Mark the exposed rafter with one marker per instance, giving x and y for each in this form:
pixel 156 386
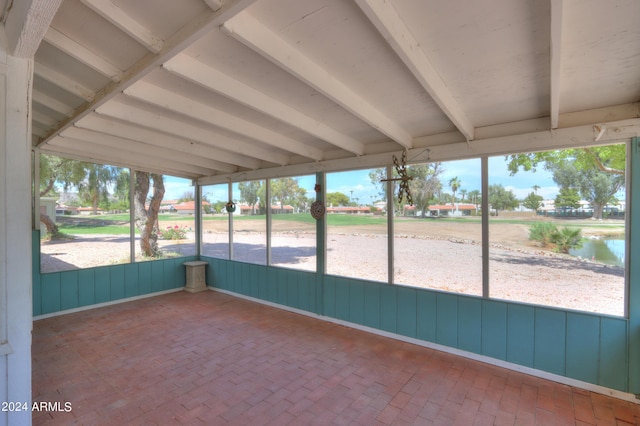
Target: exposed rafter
pixel 82 54
pixel 224 160
pixel 64 82
pixel 177 127
pixel 172 46
pixel 557 7
pixel 182 105
pixel 114 14
pixel 52 103
pixel 139 148
pixel 26 24
pixel 389 23
pixel 263 40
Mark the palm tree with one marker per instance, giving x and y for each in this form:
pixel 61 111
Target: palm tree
pixel 535 189
pixel 463 194
pixel 454 184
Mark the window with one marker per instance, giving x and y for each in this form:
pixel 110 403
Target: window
pixel 215 221
pixel 293 229
pixel 249 222
pixel 557 228
pixel 84 214
pixel 438 239
pixel 357 244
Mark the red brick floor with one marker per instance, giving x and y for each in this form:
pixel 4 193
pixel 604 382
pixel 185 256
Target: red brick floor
pixel 210 358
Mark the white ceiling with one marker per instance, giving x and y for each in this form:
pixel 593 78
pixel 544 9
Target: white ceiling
pixel 219 89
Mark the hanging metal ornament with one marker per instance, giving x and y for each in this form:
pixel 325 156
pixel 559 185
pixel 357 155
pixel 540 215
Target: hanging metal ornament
pixel 403 178
pixel 230 206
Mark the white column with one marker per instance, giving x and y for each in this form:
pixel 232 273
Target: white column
pixel 15 235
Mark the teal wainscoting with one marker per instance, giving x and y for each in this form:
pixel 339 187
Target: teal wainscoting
pixel 61 291
pixel 587 347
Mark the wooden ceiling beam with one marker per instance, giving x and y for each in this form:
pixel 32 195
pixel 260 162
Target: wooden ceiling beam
pixel 557 7
pixel 254 34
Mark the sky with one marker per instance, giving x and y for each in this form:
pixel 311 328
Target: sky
pixel 357 184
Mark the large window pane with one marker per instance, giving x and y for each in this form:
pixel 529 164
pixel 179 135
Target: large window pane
pixel 293 229
pixel 438 239
pixel 84 214
pixel 249 222
pixel 356 226
pixel 215 221
pixel 557 228
pixel 175 224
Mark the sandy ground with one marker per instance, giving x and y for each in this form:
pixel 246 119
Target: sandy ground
pixel 438 254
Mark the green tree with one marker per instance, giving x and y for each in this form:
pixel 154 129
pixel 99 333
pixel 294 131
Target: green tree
pixel 337 199
pixel 425 184
pixel 475 196
pixel 501 199
pixel 532 201
pixel 249 193
pixel 287 191
pixel 187 196
pixel 94 188
pixel 567 198
pixel 454 184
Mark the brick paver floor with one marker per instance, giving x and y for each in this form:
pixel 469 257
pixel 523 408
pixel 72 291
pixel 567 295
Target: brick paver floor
pixel 210 358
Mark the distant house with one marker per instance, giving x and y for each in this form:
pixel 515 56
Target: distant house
pixel 349 209
pixel 458 209
pixel 187 207
pixel 86 211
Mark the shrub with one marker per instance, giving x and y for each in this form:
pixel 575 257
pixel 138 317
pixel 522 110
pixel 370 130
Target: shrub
pixel 174 233
pixel 566 239
pixel 542 232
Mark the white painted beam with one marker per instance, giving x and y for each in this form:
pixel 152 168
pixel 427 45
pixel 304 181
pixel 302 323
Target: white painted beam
pixel 118 17
pixel 105 155
pixel 138 148
pixel 179 104
pixel 210 78
pixel 65 83
pixel 52 103
pixel 179 128
pixel 389 23
pixel 183 38
pixel 263 40
pixel 226 161
pixel 26 24
pixel 557 7
pixel 82 54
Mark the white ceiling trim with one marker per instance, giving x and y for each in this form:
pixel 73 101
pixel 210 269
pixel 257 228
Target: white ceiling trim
pixel 264 41
pixel 557 7
pixel 97 123
pixel 64 82
pixel 112 13
pixel 391 26
pixel 179 128
pixel 179 104
pixel 52 103
pixel 210 78
pixel 82 54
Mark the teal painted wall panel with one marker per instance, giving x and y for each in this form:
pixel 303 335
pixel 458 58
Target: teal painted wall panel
pixel 407 312
pixel 329 299
pixel 144 277
pixel 36 282
pixel 613 354
pixel 389 308
pixel 263 285
pixel 583 347
pixel 293 281
pixel 356 302
pixel 117 282
pixel 470 324
pixel 550 340
pixel 157 276
pixel 50 293
pixel 426 316
pixel 494 329
pixel 86 287
pixel 247 277
pixel 305 291
pixel 102 285
pixel 447 319
pixel 272 285
pixel 372 305
pixel 342 298
pixel 69 290
pixel 520 334
pixel 171 278
pixel 256 281
pixel 282 286
pixel 36 294
pixel 131 280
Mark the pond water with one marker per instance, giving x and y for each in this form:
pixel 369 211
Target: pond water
pixel 606 250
